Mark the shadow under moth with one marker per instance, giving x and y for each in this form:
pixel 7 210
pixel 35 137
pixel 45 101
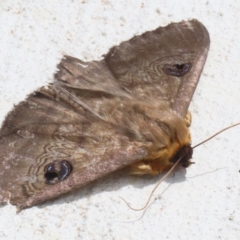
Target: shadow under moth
pixel 128 109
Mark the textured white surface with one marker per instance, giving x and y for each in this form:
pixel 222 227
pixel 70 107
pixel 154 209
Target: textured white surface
pixel 200 203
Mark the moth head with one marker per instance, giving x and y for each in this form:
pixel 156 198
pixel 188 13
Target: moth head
pixel 184 155
pixel 57 171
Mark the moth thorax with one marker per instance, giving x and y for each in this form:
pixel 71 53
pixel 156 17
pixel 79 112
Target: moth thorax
pixel 185 154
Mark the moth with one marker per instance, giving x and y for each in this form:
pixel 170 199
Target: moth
pixel 128 109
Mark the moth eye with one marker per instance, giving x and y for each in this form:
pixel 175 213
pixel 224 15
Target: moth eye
pixel 177 70
pixel 57 171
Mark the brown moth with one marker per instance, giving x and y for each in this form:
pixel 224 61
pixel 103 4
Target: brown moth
pixel 127 109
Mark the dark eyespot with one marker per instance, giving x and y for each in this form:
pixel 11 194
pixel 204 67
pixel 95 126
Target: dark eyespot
pixel 57 171
pixel 177 70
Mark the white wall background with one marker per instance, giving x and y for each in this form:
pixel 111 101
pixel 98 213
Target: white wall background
pixel 201 203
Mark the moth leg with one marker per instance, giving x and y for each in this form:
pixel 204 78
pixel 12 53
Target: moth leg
pixel 149 167
pixel 140 168
pixel 188 119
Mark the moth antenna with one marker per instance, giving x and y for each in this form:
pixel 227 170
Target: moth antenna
pixel 214 135
pixel 154 189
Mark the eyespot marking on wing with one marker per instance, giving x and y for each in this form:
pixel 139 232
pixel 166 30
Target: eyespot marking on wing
pixel 177 70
